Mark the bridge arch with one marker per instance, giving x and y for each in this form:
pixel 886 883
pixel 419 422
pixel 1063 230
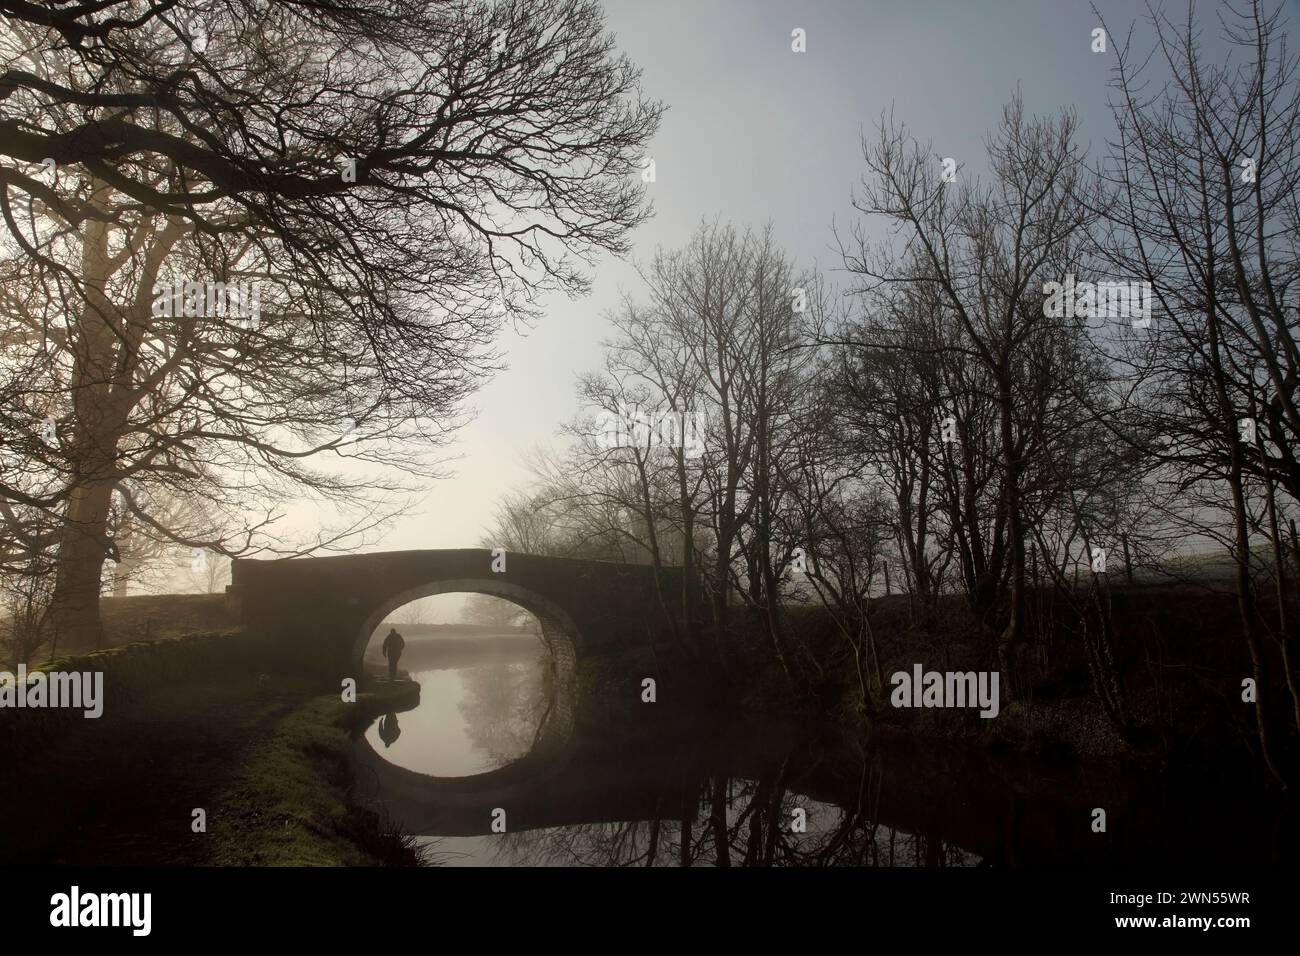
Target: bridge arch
pixel 559 631
pixel 425 795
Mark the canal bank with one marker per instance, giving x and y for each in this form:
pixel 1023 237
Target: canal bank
pixel 1176 666
pixel 198 759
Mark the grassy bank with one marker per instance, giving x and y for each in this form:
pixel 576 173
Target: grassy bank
pixel 286 801
pixel 187 725
pixel 1178 651
pixel 145 617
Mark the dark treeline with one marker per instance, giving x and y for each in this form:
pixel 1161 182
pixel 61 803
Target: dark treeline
pixel 1065 369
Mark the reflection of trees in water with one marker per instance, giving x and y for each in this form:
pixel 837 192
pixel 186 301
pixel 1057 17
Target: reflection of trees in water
pixel 504 704
pixel 741 822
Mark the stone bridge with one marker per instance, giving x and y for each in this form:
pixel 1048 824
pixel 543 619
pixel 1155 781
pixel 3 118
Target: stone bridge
pixel 320 612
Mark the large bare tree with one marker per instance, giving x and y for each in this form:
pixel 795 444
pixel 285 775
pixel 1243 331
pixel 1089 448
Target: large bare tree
pixel 385 182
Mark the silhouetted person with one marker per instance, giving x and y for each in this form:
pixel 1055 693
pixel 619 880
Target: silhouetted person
pixel 388 729
pixel 393 647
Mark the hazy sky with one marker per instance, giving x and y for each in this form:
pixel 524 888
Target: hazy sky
pixel 755 132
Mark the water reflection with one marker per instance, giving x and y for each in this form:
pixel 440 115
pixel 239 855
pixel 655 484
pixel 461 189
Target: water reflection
pixel 659 787
pixel 736 822
pixel 388 729
pixel 471 718
pixel 654 794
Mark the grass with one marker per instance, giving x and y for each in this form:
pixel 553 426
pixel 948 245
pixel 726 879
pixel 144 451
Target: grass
pixel 151 616
pixel 285 801
pixel 266 760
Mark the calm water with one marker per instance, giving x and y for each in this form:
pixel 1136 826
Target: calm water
pixel 654 787
pixel 470 719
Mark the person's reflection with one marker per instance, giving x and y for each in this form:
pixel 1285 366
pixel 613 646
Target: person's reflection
pixel 388 729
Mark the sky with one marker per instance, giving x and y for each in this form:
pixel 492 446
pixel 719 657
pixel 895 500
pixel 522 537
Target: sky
pixel 756 132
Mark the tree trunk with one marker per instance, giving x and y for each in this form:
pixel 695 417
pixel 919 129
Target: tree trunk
pixel 1013 634
pixel 1242 577
pixel 1219 379
pixel 721 585
pixel 75 602
pixel 126 569
pixel 1285 634
pixel 83 543
pixel 718 822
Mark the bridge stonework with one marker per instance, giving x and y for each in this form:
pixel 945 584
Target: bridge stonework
pixel 319 612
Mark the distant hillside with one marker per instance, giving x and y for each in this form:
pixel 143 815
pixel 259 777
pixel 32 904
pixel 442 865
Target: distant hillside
pixel 1211 565
pixel 445 631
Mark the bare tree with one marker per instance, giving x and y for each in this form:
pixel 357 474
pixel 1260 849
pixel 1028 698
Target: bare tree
pixel 1203 207
pixel 987 252
pixel 392 179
